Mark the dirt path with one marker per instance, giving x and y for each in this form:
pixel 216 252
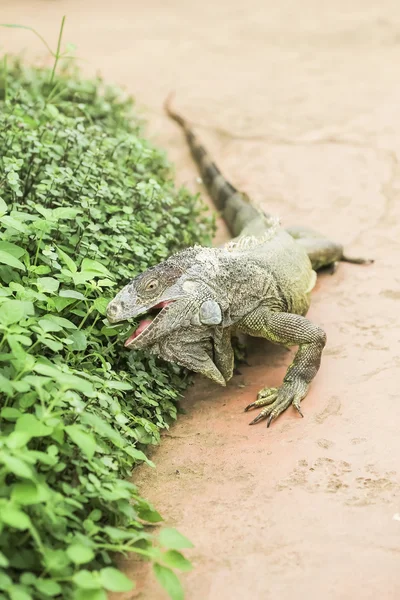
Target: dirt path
pixel 308 95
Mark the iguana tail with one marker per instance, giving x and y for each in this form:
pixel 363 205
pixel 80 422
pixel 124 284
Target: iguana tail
pixel 236 208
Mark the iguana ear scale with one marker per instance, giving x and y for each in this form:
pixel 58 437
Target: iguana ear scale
pixel 210 313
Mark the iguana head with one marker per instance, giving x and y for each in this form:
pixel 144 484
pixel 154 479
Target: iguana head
pixel 147 292
pixel 164 296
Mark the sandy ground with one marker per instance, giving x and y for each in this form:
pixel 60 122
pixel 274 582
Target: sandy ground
pixel 299 103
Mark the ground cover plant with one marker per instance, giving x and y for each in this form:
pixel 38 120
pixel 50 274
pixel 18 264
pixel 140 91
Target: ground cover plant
pixel 85 203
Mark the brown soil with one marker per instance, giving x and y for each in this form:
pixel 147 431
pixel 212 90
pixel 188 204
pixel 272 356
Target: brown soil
pixel 299 103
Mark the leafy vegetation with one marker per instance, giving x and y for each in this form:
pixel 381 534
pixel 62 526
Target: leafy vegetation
pixel 85 203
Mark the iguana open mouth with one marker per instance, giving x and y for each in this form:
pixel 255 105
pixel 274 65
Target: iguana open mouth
pixel 145 323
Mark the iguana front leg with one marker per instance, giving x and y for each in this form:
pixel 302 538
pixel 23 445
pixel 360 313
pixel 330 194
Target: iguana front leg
pixel 191 349
pixel 289 330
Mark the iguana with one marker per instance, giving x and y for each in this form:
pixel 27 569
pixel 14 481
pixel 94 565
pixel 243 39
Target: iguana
pixel 257 284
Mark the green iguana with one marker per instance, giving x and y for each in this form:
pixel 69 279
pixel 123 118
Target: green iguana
pixel 258 284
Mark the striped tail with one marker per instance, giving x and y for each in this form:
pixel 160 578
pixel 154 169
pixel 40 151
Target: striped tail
pixel 235 206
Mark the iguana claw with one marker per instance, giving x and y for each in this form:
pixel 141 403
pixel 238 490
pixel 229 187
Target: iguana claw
pixel 296 405
pixel 258 418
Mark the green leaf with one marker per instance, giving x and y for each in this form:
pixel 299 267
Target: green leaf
pixel 23 339
pixel 19 592
pixel 149 514
pixel 86 580
pixel 72 294
pixel 67 261
pixel 119 385
pixel 36 381
pixel 40 270
pixel 103 428
pixel 109 331
pixel 95 515
pixel 19 354
pixel 138 455
pixel 3 207
pixel 169 581
pixel 175 560
pixel 28 492
pixel 49 326
pixel 48 587
pixel 171 538
pixel 3 560
pixel 61 321
pixel 47 284
pixel 66 212
pixel 14 311
pixel 52 111
pixel 105 283
pixel 43 457
pixel 23 386
pixel 28 423
pixel 5 386
pixel 15 518
pixel 12 249
pixel 66 380
pixel 52 344
pixel 11 261
pixel 16 465
pixel 118 535
pixel 60 303
pixel 115 581
pixel 10 414
pixel 27 578
pixel 84 277
pixel 55 560
pixel 27 400
pixel 79 340
pixel 14 224
pixel 80 554
pixel 18 439
pixel 5 581
pixel 85 441
pixel 100 304
pixel 95 266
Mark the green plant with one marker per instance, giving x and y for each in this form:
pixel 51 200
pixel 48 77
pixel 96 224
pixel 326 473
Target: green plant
pixel 85 203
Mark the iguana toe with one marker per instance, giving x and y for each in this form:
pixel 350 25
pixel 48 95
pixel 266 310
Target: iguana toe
pixel 265 397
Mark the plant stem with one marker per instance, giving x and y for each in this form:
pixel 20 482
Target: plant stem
pixel 57 54
pixel 85 317
pixel 5 79
pixel 38 249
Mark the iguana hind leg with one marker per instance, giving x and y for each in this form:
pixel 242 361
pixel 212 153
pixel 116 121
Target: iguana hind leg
pixel 321 251
pixel 290 330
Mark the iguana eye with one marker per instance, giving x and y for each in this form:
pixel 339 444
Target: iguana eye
pixel 151 285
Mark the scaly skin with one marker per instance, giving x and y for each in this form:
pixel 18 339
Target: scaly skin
pixel 258 284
